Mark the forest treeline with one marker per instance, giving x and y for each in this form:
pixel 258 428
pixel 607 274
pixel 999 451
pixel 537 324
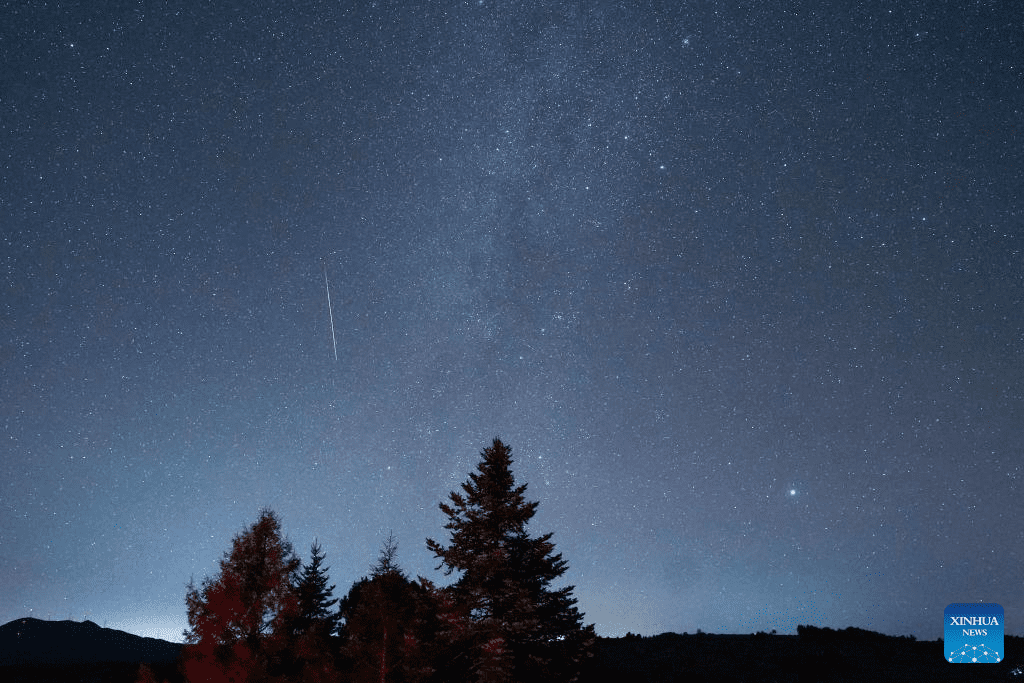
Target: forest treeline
pixel 268 617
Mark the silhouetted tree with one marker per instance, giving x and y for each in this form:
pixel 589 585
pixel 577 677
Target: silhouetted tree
pixel 449 636
pixel 387 625
pixel 312 651
pixel 315 596
pixel 386 562
pixel 516 627
pixel 241 621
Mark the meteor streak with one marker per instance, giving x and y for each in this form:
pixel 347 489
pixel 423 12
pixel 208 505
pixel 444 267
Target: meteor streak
pixel 334 340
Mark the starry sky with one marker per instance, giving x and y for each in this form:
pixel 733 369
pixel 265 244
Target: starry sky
pixel 740 283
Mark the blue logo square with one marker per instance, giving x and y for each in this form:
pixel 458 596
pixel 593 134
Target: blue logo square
pixel 973 632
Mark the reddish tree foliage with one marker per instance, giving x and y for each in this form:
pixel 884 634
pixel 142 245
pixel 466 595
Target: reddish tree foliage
pixel 240 621
pixel 388 625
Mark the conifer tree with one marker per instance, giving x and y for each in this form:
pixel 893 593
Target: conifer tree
pixel 315 596
pixel 518 628
pixel 312 654
pixel 240 620
pixel 387 625
pixel 386 562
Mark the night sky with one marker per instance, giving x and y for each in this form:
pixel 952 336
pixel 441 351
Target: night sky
pixel 740 283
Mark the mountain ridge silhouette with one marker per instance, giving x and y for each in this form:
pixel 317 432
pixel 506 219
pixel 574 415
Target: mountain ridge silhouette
pixel 30 641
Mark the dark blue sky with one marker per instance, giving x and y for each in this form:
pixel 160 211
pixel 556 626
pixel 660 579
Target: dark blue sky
pixel 740 283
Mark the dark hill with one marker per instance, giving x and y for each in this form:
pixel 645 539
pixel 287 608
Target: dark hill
pixel 28 641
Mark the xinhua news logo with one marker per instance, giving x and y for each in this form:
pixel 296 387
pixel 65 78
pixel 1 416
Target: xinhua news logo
pixel 973 633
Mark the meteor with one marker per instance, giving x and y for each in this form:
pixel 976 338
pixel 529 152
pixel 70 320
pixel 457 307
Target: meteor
pixel 327 286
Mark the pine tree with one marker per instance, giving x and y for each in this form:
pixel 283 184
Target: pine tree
pixel 240 621
pixel 519 628
pixel 312 653
pixel 315 596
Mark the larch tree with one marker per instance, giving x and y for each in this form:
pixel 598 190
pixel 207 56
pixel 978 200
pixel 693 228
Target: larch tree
pixel 518 627
pixel 241 620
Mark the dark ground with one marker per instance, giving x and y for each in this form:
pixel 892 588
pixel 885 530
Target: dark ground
pixel 817 655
